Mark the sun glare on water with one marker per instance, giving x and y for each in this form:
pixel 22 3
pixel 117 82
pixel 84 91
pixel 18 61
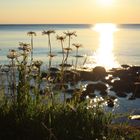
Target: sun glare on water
pixel 104 54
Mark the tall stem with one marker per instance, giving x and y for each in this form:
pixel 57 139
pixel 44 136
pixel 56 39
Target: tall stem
pixel 62 52
pixel 50 62
pixel 13 79
pixel 76 59
pixel 49 41
pixel 31 48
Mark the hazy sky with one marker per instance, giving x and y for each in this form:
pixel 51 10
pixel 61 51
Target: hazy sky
pixel 69 11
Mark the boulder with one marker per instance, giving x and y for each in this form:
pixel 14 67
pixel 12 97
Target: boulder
pixel 99 72
pixel 100 86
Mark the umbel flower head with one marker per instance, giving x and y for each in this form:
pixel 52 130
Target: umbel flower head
pixel 13 54
pixel 68 49
pixel 37 63
pixel 70 34
pixel 24 46
pixel 52 55
pixel 61 38
pixel 77 45
pixel 31 33
pixel 48 32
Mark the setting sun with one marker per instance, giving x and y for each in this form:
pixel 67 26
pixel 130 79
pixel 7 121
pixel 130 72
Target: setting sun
pixel 105 2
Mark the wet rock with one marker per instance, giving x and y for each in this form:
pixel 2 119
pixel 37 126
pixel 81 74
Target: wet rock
pixel 125 66
pixel 103 93
pixel 100 86
pixel 90 88
pixel 132 97
pixel 134 69
pixel 71 76
pixel 137 95
pixel 91 95
pixel 122 86
pixel 87 76
pixel 136 92
pixel 125 75
pixel 99 72
pixel 121 94
pixel 54 69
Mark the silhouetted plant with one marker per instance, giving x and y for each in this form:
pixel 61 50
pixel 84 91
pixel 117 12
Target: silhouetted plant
pixel 61 38
pixel 50 60
pixel 32 34
pixel 69 35
pixel 77 56
pixel 6 70
pixel 48 33
pixel 12 55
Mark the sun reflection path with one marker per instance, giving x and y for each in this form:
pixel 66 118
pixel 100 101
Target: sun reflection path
pixel 104 54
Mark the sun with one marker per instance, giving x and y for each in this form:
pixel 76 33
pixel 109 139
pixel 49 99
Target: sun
pixel 105 2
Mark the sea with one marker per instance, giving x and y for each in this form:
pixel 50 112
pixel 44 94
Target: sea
pixel 105 44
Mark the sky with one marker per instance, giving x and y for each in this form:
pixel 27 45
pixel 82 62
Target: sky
pixel 69 11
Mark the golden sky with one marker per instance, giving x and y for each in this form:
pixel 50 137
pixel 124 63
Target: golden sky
pixel 69 11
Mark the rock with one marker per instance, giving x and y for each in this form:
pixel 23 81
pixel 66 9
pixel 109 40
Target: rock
pixel 137 95
pixel 121 94
pixel 100 86
pixel 134 69
pixel 71 76
pixel 122 86
pixel 54 69
pixel 90 88
pixel 91 95
pixel 87 76
pixel 103 93
pixel 99 72
pixel 125 66
pixel 136 92
pixel 132 97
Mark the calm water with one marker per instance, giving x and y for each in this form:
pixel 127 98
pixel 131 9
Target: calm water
pixel 103 44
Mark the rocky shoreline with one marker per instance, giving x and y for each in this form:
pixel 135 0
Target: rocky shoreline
pixel 122 81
